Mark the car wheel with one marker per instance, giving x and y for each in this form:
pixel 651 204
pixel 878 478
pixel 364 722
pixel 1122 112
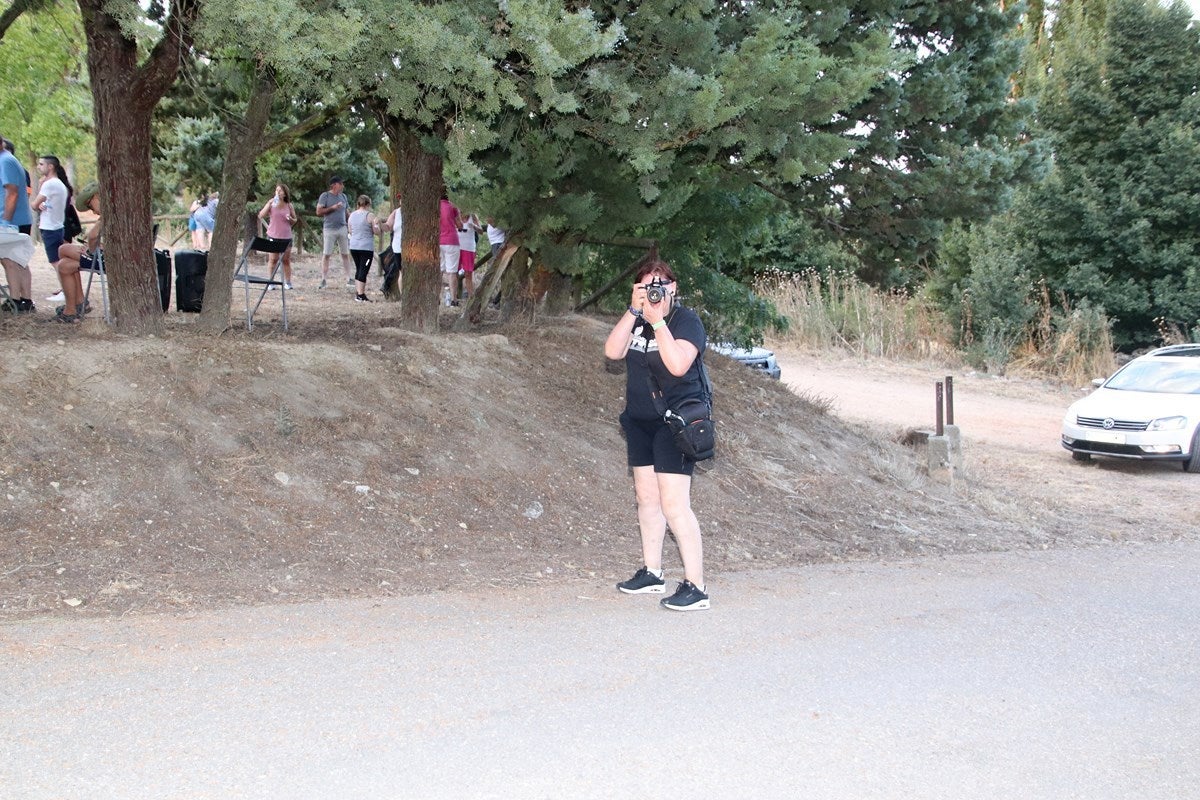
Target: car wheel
pixel 1081 456
pixel 1192 464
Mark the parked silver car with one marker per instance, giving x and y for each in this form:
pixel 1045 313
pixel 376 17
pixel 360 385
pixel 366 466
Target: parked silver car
pixel 755 357
pixel 1148 409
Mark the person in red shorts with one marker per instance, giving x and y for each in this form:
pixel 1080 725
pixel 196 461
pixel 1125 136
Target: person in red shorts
pixel 467 235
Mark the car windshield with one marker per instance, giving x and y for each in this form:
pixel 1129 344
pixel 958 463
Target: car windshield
pixel 1151 375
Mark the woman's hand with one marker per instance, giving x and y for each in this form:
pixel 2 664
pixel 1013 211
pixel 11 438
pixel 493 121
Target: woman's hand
pixel 654 312
pixel 638 298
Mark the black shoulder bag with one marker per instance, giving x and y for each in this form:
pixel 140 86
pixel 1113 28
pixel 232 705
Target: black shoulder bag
pixel 691 420
pixel 71 224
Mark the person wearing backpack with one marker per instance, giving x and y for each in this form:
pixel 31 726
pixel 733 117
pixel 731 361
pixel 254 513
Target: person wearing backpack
pixel 661 342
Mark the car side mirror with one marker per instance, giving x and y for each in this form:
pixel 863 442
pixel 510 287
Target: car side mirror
pixel 1097 383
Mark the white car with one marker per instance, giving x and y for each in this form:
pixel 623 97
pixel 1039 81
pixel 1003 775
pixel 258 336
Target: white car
pixel 755 357
pixel 1148 409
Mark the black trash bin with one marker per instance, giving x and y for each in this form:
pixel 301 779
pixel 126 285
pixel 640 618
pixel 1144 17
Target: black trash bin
pixel 190 268
pixel 162 259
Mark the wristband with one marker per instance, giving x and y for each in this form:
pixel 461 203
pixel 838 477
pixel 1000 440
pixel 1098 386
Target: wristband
pixel 634 311
pixel 658 324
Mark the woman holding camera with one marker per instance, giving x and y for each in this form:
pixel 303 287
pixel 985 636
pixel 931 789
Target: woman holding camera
pixel 660 342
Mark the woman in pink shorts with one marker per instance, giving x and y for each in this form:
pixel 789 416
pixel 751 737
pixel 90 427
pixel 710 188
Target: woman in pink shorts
pixel 466 252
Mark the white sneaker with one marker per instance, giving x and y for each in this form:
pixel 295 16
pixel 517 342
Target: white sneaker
pixel 57 297
pixel 287 286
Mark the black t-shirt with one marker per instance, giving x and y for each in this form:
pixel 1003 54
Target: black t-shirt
pixel 642 356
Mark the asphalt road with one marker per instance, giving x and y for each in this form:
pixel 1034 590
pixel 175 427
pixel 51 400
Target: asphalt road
pixel 1061 674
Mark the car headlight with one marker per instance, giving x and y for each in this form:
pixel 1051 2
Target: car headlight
pixel 1167 424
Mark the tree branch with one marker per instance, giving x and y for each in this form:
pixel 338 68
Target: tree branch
pixel 159 72
pixel 306 125
pixel 14 12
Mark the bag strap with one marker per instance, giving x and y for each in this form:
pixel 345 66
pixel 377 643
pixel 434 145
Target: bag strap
pixel 658 397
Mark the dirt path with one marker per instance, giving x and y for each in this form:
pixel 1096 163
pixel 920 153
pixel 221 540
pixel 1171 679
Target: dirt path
pixel 1010 429
pixel 1019 415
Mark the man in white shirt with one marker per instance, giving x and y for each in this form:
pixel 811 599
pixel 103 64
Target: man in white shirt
pixel 51 205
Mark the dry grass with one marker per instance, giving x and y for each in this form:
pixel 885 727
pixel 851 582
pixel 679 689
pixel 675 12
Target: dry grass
pixel 1072 345
pixel 835 310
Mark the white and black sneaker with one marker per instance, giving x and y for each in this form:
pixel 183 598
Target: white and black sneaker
pixel 686 598
pixel 643 582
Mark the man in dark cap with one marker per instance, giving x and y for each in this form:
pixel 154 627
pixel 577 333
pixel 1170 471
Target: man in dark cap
pixel 331 208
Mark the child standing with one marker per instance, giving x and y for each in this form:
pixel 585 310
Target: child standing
pixel 466 252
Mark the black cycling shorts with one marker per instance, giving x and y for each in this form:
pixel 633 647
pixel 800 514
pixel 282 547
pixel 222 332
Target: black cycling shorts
pixel 650 442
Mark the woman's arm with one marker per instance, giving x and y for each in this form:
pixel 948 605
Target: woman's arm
pixel 677 354
pixel 622 333
pixel 620 336
pixel 265 210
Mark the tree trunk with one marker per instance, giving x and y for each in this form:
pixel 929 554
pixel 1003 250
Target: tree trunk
pixel 245 138
pixel 560 295
pixel 124 96
pixel 422 193
pixel 392 155
pixel 517 300
pixel 473 313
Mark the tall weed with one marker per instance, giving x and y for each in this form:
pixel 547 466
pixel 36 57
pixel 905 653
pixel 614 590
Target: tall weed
pixel 835 309
pixel 1070 344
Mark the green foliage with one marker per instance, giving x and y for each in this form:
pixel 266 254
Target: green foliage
pixel 45 107
pixel 938 137
pixel 190 141
pixel 986 288
pixel 1114 224
pixel 766 135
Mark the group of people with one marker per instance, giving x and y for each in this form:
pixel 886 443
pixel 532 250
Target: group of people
pixel 53 206
pixel 457 241
pixel 352 234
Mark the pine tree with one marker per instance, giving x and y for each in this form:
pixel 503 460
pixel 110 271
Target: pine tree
pixel 1114 223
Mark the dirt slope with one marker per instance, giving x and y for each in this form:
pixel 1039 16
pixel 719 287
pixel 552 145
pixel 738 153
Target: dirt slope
pixel 348 457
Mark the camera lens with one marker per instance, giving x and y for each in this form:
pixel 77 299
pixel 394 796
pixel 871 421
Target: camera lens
pixel 654 294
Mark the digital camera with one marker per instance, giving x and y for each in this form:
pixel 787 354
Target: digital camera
pixel 655 291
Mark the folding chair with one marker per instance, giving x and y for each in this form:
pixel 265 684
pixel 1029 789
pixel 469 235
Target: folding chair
pixel 94 267
pixel 261 244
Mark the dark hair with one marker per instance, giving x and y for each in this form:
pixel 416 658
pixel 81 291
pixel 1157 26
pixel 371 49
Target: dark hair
pixel 335 179
pixel 287 193
pixel 654 264
pixel 61 174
